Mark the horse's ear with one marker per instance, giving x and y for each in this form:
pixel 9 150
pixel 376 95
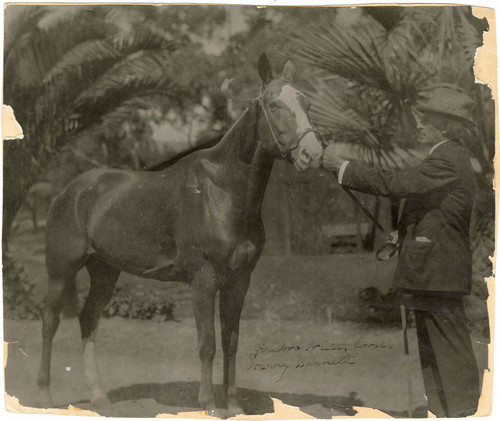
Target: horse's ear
pixel 264 69
pixel 288 72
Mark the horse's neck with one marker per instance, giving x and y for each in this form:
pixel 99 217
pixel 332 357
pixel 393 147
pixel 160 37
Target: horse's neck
pixel 237 147
pixel 258 178
pixel 244 166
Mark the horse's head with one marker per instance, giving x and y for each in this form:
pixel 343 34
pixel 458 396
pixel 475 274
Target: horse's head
pixel 284 122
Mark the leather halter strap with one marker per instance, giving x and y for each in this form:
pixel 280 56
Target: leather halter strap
pixel 285 150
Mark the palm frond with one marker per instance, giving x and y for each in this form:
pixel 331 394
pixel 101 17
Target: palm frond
pixel 401 58
pixel 141 70
pixel 38 53
pixel 331 115
pixel 144 36
pixel 428 45
pixel 87 61
pixel 82 56
pixel 470 33
pixel 26 22
pixel 21 68
pixel 77 29
pixel 353 53
pixel 419 23
pixel 459 35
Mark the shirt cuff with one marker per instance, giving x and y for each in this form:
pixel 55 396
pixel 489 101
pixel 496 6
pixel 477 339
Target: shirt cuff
pixel 342 170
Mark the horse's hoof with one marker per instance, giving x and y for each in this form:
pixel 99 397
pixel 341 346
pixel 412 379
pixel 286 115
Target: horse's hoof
pixel 214 412
pixel 233 408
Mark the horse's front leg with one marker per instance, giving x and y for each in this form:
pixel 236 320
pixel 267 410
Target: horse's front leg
pixel 203 292
pixel 232 297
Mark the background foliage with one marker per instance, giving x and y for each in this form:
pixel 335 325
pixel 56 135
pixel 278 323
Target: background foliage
pixel 128 87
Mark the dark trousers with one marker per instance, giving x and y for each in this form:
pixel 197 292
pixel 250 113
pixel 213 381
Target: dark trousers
pixel 449 367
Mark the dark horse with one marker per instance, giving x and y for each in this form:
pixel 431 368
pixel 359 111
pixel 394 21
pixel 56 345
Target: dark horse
pixel 198 221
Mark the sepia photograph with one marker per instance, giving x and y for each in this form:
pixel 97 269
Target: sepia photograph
pixel 227 211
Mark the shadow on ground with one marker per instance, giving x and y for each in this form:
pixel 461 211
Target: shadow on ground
pixel 253 402
pixel 180 395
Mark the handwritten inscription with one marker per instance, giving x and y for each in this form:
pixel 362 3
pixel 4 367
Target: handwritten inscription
pixel 284 357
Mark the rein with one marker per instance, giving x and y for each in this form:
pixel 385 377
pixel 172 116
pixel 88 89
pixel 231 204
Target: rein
pixel 389 248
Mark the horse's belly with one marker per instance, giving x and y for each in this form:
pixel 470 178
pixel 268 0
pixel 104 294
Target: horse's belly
pixel 142 246
pixel 168 271
pixel 154 265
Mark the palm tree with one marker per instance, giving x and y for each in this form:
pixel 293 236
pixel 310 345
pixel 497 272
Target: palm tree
pixel 385 63
pixel 81 74
pixel 387 58
pixel 368 76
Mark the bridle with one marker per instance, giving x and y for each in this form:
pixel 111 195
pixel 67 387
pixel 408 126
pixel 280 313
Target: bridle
pixel 285 150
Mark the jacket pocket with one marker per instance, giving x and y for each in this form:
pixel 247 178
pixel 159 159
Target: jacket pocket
pixel 415 256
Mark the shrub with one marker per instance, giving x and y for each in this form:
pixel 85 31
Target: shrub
pixel 19 300
pixel 138 302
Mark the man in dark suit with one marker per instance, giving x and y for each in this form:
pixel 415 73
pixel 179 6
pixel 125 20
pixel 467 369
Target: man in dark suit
pixel 434 265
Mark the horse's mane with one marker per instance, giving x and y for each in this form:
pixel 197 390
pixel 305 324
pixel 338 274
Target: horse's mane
pixel 171 161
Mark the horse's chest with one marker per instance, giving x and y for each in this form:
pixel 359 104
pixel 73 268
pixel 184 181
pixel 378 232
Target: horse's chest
pixel 217 211
pixel 214 220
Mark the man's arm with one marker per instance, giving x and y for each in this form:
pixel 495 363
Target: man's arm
pixel 432 173
pixel 333 163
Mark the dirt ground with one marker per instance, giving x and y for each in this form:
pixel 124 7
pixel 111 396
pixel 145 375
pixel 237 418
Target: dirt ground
pixel 149 368
pixel 295 345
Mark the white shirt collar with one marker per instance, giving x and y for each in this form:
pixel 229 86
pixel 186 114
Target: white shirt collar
pixel 437 145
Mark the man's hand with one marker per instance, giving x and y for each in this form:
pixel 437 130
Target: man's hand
pixel 331 160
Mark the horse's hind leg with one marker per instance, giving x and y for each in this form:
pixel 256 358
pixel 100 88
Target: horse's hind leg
pixel 232 297
pixel 58 284
pixel 103 279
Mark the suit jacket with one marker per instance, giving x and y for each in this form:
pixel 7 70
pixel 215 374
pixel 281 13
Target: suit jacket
pixel 434 248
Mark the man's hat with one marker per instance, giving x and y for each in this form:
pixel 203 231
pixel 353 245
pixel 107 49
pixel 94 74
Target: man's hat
pixel 449 101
